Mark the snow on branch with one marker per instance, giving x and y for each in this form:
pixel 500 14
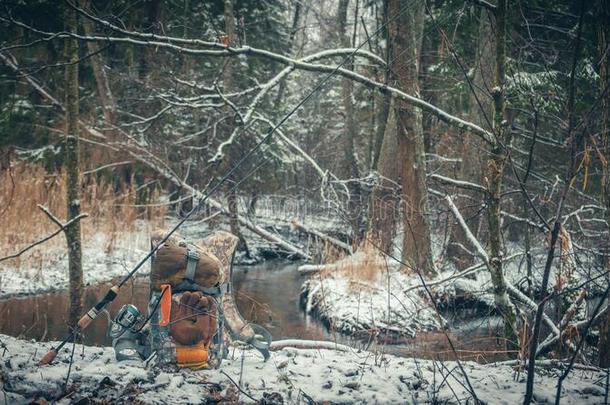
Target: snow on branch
pixel 458 183
pixel 512 290
pixel 220 50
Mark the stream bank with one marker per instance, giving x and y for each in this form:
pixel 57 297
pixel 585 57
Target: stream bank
pixel 269 294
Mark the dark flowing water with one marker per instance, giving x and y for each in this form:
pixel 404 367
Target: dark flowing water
pixel 267 294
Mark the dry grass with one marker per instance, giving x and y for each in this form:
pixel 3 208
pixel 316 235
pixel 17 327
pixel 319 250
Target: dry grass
pixel 362 269
pixel 112 213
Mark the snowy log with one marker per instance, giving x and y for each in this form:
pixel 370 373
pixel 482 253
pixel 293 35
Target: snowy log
pixel 309 344
pixel 312 268
pixel 458 183
pixel 323 236
pixel 244 221
pixel 472 269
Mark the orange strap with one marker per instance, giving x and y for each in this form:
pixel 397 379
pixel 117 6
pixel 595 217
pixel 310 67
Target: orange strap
pixel 166 304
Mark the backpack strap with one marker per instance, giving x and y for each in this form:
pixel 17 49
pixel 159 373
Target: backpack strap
pixel 192 258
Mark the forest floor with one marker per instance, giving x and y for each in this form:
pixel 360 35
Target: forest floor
pixel 297 375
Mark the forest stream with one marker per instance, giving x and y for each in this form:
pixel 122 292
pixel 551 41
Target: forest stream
pixel 266 293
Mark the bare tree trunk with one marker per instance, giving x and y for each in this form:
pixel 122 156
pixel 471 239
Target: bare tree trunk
pixel 99 73
pixel 604 74
pixel 73 233
pixel 472 166
pixel 291 38
pixel 495 175
pixel 383 205
pixel 349 132
pixel 154 10
pixel 405 34
pixel 227 79
pixel 381 101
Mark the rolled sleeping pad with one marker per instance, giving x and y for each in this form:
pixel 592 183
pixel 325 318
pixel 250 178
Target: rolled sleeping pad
pixel 222 245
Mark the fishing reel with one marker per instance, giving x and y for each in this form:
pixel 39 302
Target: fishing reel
pixel 125 333
pixel 127 319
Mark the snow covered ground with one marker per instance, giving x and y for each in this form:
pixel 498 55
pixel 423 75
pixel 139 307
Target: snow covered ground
pixel 351 302
pixel 49 271
pixel 45 268
pixel 297 375
pixel 368 292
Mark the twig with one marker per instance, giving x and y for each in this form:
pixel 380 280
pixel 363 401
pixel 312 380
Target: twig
pixel 107 167
pixel 62 227
pixel 238 387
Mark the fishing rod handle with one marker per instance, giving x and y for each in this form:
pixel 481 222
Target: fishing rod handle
pixel 49 357
pixel 86 319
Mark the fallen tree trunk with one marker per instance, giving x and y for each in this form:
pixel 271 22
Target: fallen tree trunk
pixel 333 241
pixel 309 344
pixel 258 230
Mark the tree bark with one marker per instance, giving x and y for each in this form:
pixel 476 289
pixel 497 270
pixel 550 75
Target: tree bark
pixel 73 233
pixel 405 34
pixel 495 173
pixel 604 74
pixel 381 101
pixel 349 131
pixel 470 146
pixel 383 205
pixel 227 79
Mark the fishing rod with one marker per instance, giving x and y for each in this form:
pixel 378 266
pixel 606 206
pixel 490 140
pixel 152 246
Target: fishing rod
pixel 113 291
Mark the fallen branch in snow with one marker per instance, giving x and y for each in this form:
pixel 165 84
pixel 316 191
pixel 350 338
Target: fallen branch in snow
pixel 324 237
pixel 244 221
pixel 62 227
pixel 511 289
pixel 472 269
pixel 579 326
pixel 309 344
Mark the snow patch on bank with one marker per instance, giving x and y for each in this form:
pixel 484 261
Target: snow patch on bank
pixel 298 375
pixel 353 303
pixel 49 270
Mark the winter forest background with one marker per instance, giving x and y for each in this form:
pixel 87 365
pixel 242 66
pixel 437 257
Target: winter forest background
pixel 417 165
